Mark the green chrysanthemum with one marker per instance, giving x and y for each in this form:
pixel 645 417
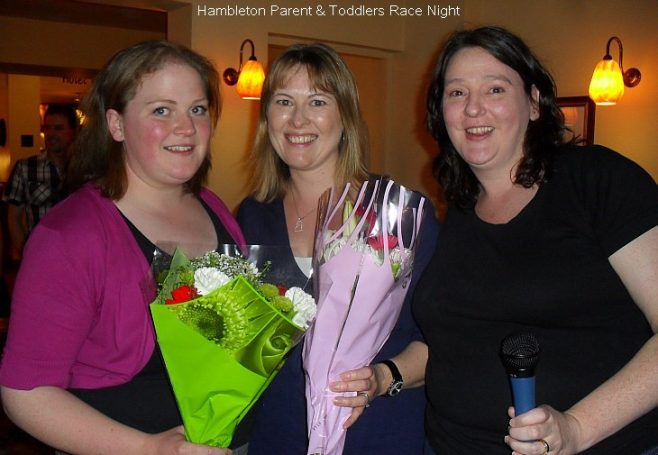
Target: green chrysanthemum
pixel 269 291
pixel 187 277
pixel 236 323
pixel 206 321
pixel 282 303
pixel 219 316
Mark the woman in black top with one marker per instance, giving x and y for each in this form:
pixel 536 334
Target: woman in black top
pixel 540 236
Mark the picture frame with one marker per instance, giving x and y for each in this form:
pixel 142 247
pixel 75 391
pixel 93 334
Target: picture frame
pixel 579 116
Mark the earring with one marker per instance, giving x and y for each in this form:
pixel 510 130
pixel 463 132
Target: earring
pixel 534 114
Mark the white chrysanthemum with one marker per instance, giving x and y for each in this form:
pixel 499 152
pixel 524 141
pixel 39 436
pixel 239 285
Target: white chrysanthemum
pixel 400 256
pixel 207 279
pixel 360 246
pixel 303 305
pixel 332 248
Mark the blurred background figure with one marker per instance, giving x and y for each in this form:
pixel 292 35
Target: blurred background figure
pixel 36 182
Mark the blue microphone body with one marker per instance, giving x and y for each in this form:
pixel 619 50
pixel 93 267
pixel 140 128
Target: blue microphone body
pixel 523 391
pixel 520 354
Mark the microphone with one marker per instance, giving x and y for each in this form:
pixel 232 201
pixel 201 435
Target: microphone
pixel 520 354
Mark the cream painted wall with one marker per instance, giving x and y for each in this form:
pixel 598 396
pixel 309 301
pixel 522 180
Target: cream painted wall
pixel 46 43
pixel 569 36
pixel 36 42
pixel 412 148
pixel 4 81
pixel 5 155
pixel 23 115
pixel 220 37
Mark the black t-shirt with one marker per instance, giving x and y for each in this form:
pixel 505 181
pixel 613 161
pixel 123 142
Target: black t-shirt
pixel 146 402
pixel 546 271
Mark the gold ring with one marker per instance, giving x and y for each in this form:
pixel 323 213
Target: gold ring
pixel 547 448
pixel 365 394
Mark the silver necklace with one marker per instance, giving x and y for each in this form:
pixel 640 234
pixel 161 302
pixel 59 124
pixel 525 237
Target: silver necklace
pixel 299 224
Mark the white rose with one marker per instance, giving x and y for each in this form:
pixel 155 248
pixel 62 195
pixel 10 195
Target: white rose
pixel 207 279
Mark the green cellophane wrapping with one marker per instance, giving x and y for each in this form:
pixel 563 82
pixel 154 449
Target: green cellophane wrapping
pixel 216 382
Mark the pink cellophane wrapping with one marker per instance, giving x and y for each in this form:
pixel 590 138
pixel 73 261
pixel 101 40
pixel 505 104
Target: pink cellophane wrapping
pixel 359 299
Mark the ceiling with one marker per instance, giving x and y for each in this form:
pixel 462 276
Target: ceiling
pixel 135 15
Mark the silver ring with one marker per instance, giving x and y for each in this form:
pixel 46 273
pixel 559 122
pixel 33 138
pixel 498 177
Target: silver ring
pixel 365 394
pixel 547 448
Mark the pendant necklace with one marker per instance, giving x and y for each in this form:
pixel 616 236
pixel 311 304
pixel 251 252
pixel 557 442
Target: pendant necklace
pixel 299 224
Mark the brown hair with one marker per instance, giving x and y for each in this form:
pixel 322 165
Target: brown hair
pixel 329 73
pixel 96 157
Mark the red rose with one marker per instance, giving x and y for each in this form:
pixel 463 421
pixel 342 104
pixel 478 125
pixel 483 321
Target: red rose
pixel 182 294
pixel 282 289
pixel 377 242
pixel 371 218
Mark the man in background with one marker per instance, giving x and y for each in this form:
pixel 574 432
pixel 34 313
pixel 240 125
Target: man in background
pixel 36 182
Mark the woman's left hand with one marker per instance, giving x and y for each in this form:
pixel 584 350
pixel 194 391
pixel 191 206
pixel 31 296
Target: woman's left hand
pixel 363 382
pixel 542 430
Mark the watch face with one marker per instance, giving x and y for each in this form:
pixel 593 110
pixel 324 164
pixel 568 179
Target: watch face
pixel 395 388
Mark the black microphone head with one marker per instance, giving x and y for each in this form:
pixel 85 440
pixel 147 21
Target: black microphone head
pixel 520 354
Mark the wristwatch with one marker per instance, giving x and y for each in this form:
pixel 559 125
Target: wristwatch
pixel 397 383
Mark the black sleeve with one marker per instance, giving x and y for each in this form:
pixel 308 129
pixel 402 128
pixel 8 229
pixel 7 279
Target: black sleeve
pixel 621 198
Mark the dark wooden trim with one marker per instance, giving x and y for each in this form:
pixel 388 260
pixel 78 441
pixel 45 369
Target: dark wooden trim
pixel 50 71
pixel 589 108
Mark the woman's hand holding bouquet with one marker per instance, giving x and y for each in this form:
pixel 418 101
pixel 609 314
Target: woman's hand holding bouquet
pixel 224 334
pixel 362 267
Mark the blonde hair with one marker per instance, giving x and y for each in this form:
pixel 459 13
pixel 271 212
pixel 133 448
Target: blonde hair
pixel 329 73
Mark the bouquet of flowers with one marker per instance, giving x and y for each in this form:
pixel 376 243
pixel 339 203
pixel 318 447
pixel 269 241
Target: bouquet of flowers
pixel 362 267
pixel 224 334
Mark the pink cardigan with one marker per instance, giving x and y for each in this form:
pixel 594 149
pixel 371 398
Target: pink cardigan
pixel 80 315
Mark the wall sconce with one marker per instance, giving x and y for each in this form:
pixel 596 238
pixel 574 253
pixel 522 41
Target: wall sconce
pixel 249 76
pixel 608 80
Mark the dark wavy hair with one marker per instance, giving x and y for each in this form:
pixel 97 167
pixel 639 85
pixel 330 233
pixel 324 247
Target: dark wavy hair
pixel 96 156
pixel 543 136
pixel 65 110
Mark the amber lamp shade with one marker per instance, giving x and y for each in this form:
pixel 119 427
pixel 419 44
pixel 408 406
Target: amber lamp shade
pixel 609 78
pixel 607 84
pixel 249 76
pixel 250 82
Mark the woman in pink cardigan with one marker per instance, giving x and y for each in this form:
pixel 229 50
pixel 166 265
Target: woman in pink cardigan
pixel 81 369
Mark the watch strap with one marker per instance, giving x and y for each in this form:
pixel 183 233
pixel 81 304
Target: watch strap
pixel 396 384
